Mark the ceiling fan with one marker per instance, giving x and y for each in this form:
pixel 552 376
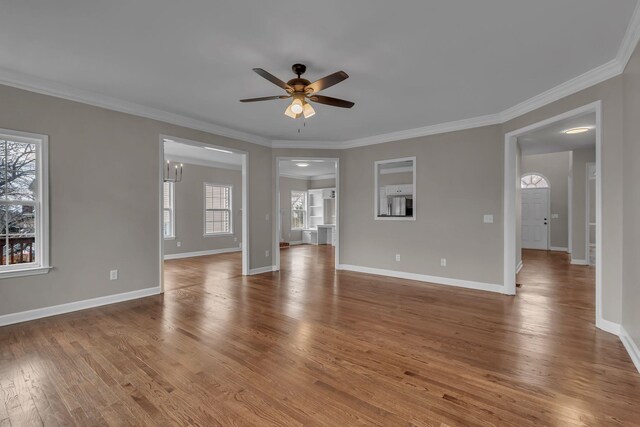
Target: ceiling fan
pixel 302 91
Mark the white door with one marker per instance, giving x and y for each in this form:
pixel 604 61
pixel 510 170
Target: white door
pixel 535 219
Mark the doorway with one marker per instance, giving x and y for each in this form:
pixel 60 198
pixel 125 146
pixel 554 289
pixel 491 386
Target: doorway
pixel 307 205
pixel 203 209
pixel 562 136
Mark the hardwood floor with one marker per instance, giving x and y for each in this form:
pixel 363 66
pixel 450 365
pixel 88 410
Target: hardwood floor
pixel 309 346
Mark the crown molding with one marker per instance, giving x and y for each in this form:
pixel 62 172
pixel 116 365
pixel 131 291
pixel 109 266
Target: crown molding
pixel 309 178
pixel 630 40
pixel 51 88
pixel 576 84
pixel 597 75
pixel 201 162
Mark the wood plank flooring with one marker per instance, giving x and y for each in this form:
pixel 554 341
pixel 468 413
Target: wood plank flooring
pixel 309 346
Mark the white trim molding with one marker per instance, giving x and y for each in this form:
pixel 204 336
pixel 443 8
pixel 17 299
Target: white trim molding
pixel 608 326
pixel 631 347
pixel 39 313
pixel 262 270
pixel 202 253
pixel 579 261
pixel 480 286
pixel 558 249
pixel 519 267
pixel 51 88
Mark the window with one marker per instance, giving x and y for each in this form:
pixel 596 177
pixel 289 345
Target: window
pixel 533 181
pixel 23 204
pixel 298 209
pixel 168 216
pixel 217 209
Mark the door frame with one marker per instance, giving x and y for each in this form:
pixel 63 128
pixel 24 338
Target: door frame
pixel 510 190
pixel 276 214
pixel 548 208
pixel 245 199
pixel 587 212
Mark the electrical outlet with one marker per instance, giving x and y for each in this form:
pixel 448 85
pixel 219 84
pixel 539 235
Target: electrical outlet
pixel 178 244
pixel 488 219
pixel 397 257
pixel 266 254
pixel 443 262
pixel 113 275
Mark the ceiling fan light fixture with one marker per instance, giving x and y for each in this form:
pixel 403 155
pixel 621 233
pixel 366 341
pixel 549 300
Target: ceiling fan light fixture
pixel 308 110
pixel 296 106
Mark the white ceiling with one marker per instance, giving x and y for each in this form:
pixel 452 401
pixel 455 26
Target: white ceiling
pixel 412 64
pixel 187 153
pixel 316 169
pixel 552 139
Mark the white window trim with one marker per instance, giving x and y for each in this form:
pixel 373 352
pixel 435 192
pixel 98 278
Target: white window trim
pixel 204 210
pixel 41 266
pixel 172 186
pixel 306 210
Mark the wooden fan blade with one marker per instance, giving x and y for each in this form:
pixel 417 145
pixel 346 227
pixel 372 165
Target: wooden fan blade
pixel 273 79
pixel 326 82
pixel 265 98
pixel 334 102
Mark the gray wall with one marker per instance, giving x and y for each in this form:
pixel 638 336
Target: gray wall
pixel 580 158
pixel 556 168
pixel 631 272
pixel 105 198
pixel 322 183
pixel 459 179
pixel 189 210
pixel 286 185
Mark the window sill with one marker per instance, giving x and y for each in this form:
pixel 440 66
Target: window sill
pixel 33 271
pixel 170 238
pixel 218 235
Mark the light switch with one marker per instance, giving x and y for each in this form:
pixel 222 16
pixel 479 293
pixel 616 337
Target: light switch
pixel 555 216
pixel 488 219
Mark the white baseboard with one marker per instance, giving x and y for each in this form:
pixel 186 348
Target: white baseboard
pixel 608 326
pixel 38 313
pixel 631 347
pixel 558 249
pixel 202 253
pixel 262 270
pixel 579 261
pixel 519 267
pixel 424 278
pixel 298 242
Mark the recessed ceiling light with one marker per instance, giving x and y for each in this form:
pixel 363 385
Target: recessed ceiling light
pixel 574 131
pixel 218 149
pixel 302 165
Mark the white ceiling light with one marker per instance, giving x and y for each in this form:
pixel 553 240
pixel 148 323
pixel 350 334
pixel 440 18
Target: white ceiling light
pixel 296 106
pixel 574 131
pixel 218 149
pixel 302 165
